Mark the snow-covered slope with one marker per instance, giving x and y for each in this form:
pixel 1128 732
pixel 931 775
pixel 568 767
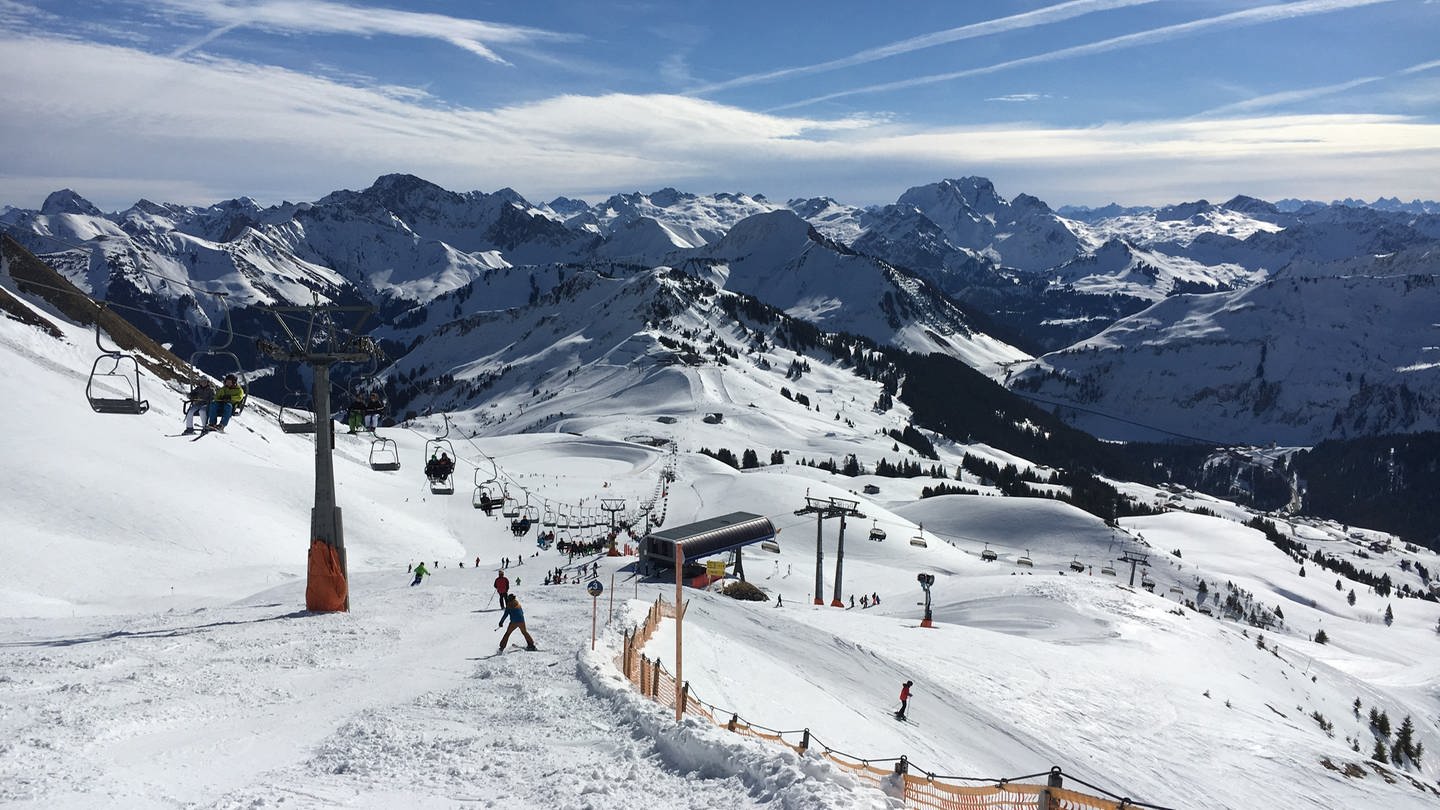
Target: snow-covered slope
pixel 155 651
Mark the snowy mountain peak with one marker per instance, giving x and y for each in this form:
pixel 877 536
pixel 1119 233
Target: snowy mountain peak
pixel 66 201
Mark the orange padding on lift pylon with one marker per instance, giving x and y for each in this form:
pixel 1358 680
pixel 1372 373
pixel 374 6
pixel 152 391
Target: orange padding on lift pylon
pixel 326 590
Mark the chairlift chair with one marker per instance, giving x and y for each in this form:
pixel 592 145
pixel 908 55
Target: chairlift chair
pixel 122 377
pixel 434 448
pixel 548 521
pixel 1147 583
pixel 384 455
pixel 1108 569
pixel 876 533
pixel 295 420
pixel 443 486
pixel 1025 561
pixel 1077 566
pixel 770 546
pixel 988 554
pixel 511 508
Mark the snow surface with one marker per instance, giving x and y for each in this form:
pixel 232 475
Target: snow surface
pixel 154 649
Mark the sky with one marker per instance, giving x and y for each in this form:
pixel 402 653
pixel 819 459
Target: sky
pixel 154 650
pixel 1080 102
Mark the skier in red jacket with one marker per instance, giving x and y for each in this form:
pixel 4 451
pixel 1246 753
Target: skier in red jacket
pixel 904 699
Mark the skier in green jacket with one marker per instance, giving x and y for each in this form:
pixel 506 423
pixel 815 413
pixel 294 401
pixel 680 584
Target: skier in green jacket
pixel 419 572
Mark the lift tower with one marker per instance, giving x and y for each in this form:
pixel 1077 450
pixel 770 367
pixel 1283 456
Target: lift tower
pixel 323 345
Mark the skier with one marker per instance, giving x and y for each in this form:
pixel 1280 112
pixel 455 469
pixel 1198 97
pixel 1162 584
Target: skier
pixel 374 409
pixel 779 600
pixel 904 699
pixel 516 615
pixel 419 572
pixel 198 402
pixel 502 586
pixel 228 401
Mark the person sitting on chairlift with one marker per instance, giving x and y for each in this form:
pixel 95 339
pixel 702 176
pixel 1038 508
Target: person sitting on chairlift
pixel 198 402
pixel 228 401
pixel 355 413
pixel 374 409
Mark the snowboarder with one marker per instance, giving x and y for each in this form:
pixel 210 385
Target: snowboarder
pixel 502 586
pixel 904 699
pixel 516 615
pixel 419 572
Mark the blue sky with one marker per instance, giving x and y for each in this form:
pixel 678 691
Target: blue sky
pixel 1081 102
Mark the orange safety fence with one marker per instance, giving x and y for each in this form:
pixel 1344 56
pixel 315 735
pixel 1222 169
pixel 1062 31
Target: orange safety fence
pixel 923 790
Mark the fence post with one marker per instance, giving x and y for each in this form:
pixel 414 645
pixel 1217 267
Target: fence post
pixel 625 660
pixel 805 741
pixel 644 676
pixel 730 726
pixel 655 679
pixel 903 766
pixel 1047 802
pixel 684 697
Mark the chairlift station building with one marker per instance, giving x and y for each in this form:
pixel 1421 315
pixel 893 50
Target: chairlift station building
pixel 704 538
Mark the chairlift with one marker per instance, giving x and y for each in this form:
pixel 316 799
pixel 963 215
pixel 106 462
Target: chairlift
pixel 1176 589
pixel 436 448
pixel 511 507
pixel 294 417
pixel 988 554
pixel 1025 561
pixel 876 533
pixel 225 361
pixel 384 455
pixel 919 541
pixel 1147 583
pixel 1108 569
pixel 770 546
pixel 121 376
pixel 1077 566
pixel 548 521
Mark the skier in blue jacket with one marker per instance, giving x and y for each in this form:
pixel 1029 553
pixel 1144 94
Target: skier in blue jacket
pixel 516 615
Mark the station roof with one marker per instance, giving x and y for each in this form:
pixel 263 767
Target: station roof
pixel 710 536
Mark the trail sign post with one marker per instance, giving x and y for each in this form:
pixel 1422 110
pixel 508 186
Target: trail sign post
pixel 594 589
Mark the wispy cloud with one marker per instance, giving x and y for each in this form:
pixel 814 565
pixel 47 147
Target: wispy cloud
pixel 1020 97
pixel 320 17
pixel 1271 100
pixel 1015 22
pixel 286 135
pixel 1236 19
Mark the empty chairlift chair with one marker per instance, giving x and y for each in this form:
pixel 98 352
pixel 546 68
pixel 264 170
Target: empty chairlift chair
pixel 1025 562
pixel 384 455
pixel 919 539
pixel 1108 569
pixel 114 384
pixel 770 546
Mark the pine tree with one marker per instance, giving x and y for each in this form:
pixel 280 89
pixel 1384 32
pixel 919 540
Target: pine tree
pixel 1380 754
pixel 1339 586
pixel 1389 616
pixel 1351 597
pixel 1405 738
pixel 1356 707
pixel 1320 637
pixel 748 459
pixel 1383 726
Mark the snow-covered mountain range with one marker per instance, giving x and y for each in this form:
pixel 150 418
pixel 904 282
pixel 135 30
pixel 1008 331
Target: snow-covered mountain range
pixel 951 267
